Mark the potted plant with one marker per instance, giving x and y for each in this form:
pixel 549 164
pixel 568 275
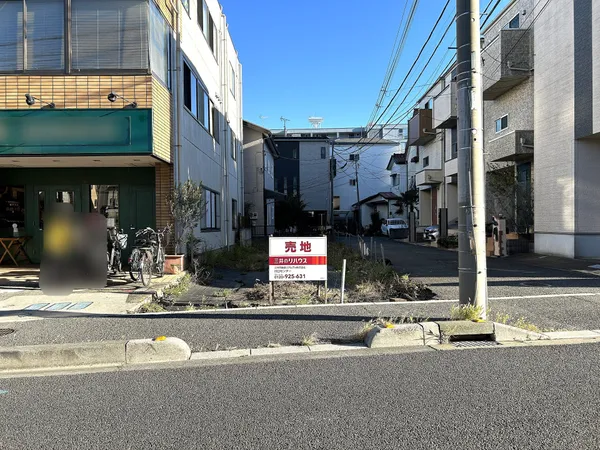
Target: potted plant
pixel 187 208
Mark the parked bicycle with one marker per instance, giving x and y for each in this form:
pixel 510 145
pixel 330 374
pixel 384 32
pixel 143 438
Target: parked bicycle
pixel 148 254
pixel 117 241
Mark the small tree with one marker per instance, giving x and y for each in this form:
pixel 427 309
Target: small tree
pixel 409 199
pixel 187 207
pixel 289 213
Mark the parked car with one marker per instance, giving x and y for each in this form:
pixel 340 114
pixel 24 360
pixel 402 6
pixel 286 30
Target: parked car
pixel 431 233
pixel 394 228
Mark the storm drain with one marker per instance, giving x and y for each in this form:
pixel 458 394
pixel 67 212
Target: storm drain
pixel 6 331
pixel 472 344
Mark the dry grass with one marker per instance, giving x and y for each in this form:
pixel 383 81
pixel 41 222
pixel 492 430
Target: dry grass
pixel 312 339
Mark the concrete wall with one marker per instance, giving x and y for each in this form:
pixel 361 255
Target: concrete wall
pixel 553 117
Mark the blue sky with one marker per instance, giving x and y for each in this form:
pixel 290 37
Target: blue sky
pixel 328 57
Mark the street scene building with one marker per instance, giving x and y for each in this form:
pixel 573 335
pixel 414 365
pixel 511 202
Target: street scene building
pixel 260 153
pixel 109 109
pixel 433 135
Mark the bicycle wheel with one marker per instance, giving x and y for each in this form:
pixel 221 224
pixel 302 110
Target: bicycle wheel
pixel 134 265
pixel 146 269
pixel 160 263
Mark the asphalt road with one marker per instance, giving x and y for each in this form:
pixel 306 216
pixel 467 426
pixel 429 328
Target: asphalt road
pixel 525 398
pixel 507 277
pixel 567 308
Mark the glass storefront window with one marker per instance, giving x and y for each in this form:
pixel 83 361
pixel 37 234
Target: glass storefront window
pixel 12 207
pixel 104 199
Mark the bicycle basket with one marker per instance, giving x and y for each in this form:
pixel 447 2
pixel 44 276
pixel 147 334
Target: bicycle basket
pixel 145 237
pixel 122 240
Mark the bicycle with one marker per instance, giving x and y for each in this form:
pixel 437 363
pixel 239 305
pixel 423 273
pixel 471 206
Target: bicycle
pixel 148 255
pixel 116 242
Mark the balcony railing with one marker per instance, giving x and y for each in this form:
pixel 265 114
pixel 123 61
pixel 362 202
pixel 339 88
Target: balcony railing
pixel 420 130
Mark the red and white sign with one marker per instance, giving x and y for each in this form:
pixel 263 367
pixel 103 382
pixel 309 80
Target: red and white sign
pixel 298 258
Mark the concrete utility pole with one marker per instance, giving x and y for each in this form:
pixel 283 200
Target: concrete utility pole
pixel 472 265
pixel 359 221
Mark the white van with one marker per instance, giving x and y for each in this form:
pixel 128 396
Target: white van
pixel 394 227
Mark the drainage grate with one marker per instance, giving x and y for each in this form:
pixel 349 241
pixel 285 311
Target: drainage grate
pixel 475 344
pixel 6 331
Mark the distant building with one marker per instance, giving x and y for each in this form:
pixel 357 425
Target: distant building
pixel 260 153
pixel 305 168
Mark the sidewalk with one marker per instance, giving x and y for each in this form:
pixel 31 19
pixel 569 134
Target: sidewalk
pixel 21 298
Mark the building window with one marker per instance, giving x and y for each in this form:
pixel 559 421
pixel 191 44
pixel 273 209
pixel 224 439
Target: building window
pixel 453 143
pixel 232 144
pixel 44 40
pixel 426 161
pixel 232 80
pixel 323 152
pixel 295 153
pixel 104 199
pixel 159 44
pixel 109 34
pixel 295 185
pixel 285 185
pixel 336 202
pixel 395 179
pixel 12 208
pixel 352 181
pixel 234 214
pixel 501 124
pixel 214 121
pixel 198 103
pixel 207 25
pixel 212 216
pixel 186 5
pixel 514 23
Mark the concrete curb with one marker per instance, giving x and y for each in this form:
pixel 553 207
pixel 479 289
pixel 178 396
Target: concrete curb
pixel 158 294
pixel 439 334
pixel 107 353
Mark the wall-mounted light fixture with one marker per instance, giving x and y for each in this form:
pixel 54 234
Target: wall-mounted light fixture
pixel 112 97
pixel 30 99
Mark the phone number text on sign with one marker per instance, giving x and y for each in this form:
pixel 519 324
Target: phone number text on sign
pixel 292 258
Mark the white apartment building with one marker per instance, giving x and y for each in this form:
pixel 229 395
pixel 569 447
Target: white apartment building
pixel 210 118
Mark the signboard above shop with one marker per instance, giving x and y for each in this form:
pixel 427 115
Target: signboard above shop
pixel 298 258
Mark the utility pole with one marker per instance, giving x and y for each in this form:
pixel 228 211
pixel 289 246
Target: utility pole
pixel 472 265
pixel 285 121
pixel 359 221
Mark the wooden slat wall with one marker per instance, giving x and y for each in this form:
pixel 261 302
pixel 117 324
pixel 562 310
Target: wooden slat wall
pixel 75 92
